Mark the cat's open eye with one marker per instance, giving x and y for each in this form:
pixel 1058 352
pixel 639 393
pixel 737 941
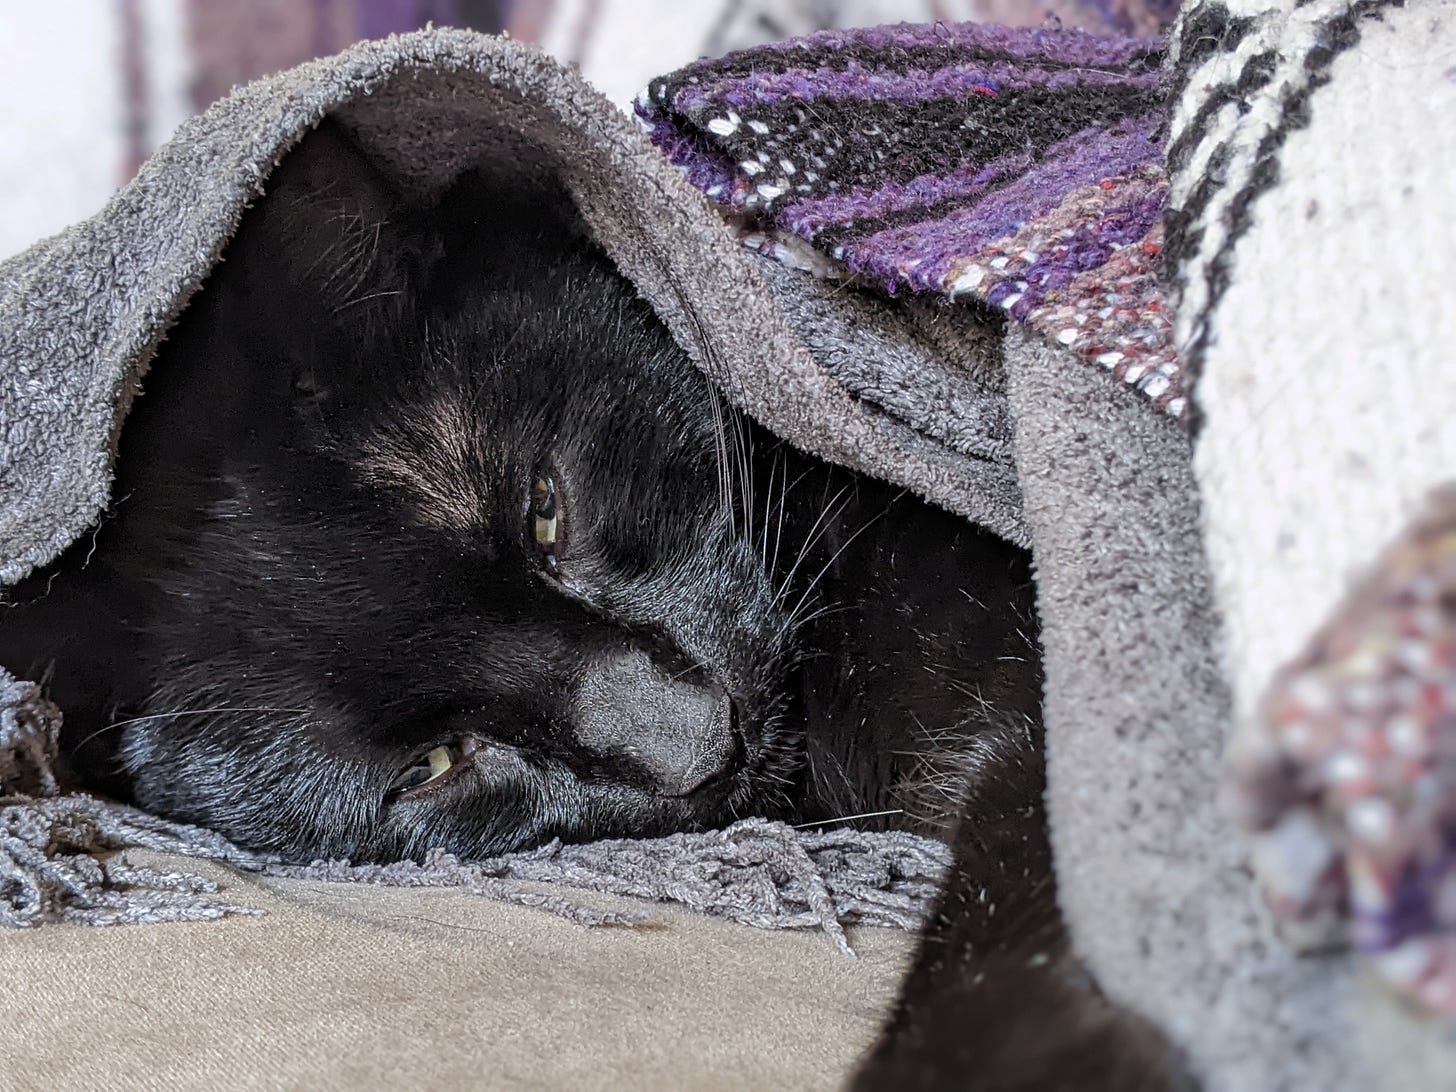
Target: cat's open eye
pixel 431 767
pixel 547 519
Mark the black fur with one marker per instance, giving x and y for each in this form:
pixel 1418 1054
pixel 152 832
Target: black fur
pixel 329 555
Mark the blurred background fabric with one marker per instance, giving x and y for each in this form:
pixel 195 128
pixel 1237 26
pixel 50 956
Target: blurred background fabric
pixel 88 90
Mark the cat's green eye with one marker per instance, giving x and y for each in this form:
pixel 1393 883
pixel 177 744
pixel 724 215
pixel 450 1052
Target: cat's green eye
pixel 546 521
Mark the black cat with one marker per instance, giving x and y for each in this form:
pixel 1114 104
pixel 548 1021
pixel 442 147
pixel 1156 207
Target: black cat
pixel 426 533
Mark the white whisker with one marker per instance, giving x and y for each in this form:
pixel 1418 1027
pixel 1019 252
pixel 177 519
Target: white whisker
pixel 847 818
pixel 188 713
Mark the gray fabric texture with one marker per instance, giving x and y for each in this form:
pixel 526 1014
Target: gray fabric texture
pixel 924 370
pixel 1152 878
pixel 1153 871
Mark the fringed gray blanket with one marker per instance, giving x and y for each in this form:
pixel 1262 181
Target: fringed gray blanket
pixel 61 861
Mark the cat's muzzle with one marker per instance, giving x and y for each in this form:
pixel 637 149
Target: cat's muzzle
pixel 682 731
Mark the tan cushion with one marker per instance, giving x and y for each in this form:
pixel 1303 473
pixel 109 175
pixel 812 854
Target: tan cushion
pixel 363 987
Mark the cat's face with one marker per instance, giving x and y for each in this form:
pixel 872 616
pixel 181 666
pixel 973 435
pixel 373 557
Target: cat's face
pixel 445 543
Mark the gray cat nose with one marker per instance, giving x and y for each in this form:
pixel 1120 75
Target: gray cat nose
pixel 681 732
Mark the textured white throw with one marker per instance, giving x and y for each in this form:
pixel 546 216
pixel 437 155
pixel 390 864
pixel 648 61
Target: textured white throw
pixel 1312 241
pixel 1329 361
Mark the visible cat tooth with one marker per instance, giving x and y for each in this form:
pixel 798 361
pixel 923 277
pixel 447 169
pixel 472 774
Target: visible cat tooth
pixel 440 761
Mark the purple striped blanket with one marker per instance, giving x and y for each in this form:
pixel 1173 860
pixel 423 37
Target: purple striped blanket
pixel 1019 167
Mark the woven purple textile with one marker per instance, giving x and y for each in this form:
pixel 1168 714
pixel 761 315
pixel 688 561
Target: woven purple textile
pixel 1020 167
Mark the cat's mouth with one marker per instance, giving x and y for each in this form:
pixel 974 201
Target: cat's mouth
pixel 768 765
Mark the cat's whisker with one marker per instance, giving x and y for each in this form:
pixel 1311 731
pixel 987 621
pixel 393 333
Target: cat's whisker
pixel 847 818
pixel 787 488
pixel 773 472
pixel 187 713
pixel 742 446
pixel 322 257
pixel 824 611
pixel 835 557
pixel 354 302
pixel 826 766
pixel 821 526
pixel 720 437
pixel 687 671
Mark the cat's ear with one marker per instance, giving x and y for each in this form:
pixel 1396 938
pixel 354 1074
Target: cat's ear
pixel 332 248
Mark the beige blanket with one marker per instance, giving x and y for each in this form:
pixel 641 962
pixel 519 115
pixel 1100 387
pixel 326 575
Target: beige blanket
pixel 347 986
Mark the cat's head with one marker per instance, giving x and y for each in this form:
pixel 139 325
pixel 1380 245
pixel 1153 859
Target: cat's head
pixel 432 512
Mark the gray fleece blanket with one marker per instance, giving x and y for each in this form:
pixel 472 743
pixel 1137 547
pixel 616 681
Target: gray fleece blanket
pixel 1064 433
pixel 82 313
pixel 912 392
